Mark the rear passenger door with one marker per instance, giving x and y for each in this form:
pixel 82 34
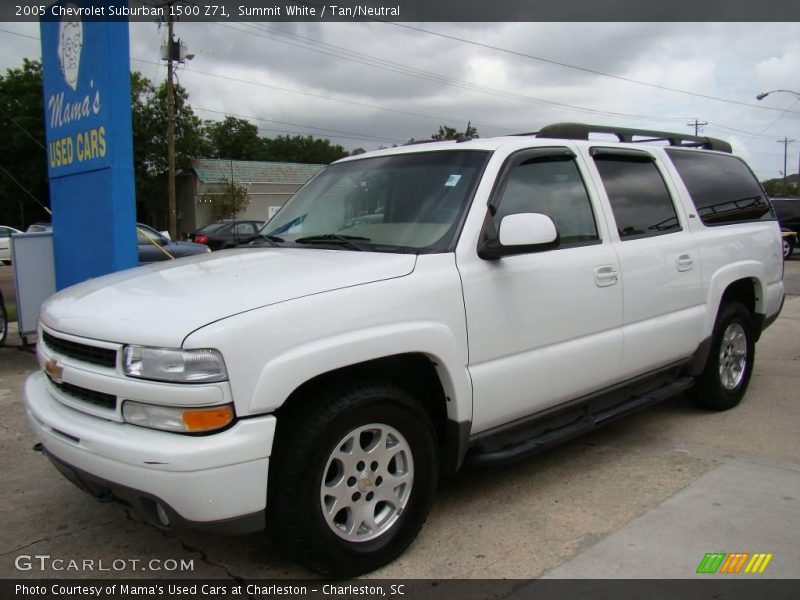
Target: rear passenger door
pixel 660 273
pixel 544 327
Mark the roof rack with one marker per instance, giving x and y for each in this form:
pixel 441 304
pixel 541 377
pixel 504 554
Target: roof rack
pixel 581 131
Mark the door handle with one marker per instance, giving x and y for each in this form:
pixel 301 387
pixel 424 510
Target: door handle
pixel 684 262
pixel 606 275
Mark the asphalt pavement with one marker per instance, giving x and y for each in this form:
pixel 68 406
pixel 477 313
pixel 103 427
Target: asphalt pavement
pixel 646 497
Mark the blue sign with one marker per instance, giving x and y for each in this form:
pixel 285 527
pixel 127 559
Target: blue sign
pixel 87 101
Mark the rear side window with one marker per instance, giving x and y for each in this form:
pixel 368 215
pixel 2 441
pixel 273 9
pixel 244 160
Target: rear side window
pixel 637 193
pixel 722 187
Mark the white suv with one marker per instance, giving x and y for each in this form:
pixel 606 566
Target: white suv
pixel 410 310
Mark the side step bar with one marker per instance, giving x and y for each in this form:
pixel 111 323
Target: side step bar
pixel 562 433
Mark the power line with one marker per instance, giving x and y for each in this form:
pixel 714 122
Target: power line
pixel 30 37
pixel 579 68
pixel 330 98
pixel 346 134
pixel 25 131
pixel 24 189
pixel 346 54
pixel 697 125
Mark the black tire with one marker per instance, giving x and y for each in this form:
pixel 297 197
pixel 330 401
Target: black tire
pixel 3 322
pixel 711 390
pixel 307 438
pixel 788 248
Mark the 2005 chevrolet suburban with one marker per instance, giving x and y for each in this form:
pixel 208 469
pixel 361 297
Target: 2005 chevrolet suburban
pixel 406 312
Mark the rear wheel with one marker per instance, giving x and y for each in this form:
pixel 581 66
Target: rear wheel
pixel 352 478
pixel 725 378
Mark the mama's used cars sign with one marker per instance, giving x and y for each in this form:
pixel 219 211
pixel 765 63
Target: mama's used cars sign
pixel 87 104
pixel 77 93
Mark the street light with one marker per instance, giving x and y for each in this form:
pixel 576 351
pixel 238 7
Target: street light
pixel 784 141
pixel 763 95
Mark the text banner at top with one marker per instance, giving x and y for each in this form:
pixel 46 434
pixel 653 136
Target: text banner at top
pixel 408 10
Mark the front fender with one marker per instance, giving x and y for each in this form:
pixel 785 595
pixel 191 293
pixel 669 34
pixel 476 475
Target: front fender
pixel 285 373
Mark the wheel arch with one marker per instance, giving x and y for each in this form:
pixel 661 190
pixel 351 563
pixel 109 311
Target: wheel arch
pixel 421 375
pixel 743 283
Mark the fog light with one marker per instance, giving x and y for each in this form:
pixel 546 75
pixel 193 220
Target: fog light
pixel 176 418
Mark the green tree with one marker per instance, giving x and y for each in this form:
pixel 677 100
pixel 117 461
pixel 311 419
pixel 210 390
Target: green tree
pixel 235 139
pixel 228 203
pixel 303 149
pixel 22 155
pixel 450 133
pixel 190 138
pixel 149 114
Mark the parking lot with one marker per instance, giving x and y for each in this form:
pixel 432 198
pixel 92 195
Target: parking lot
pixel 645 497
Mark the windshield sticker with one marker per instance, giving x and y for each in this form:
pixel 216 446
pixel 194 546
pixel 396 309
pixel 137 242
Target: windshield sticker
pixel 452 181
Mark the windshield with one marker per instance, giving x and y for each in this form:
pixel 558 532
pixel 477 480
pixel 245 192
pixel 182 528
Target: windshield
pixel 404 202
pixel 211 228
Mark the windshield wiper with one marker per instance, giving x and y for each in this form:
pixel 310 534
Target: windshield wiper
pixel 273 240
pixel 347 241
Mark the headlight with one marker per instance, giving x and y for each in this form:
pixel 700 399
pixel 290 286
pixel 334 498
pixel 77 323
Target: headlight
pixel 182 420
pixel 182 366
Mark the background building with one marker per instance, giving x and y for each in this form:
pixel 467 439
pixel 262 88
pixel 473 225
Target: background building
pixel 269 185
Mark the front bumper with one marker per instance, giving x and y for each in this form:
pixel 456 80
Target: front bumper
pixel 214 481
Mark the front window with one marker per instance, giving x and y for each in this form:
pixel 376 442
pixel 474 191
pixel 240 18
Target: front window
pixel 400 203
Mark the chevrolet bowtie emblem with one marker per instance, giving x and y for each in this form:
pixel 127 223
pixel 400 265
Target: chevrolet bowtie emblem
pixel 54 370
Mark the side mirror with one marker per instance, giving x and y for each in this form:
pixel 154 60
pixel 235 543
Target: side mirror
pixel 165 234
pixel 527 229
pixel 520 234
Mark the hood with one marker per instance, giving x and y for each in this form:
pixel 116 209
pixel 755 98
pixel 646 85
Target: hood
pixel 160 304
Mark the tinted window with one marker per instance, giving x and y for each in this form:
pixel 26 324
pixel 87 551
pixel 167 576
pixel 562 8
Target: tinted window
pixel 788 212
pixel 213 228
pixel 144 235
pixel 244 229
pixel 639 197
pixel 722 187
pixel 553 187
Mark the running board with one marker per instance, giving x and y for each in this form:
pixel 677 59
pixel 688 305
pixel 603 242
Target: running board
pixel 559 433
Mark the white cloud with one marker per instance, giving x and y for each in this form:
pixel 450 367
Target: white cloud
pixel 420 73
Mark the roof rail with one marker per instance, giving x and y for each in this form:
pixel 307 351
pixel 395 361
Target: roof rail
pixel 581 131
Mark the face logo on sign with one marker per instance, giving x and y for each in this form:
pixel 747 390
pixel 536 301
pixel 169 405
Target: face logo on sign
pixel 70 43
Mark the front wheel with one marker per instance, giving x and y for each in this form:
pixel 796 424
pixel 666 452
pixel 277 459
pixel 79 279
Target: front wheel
pixel 725 378
pixel 352 478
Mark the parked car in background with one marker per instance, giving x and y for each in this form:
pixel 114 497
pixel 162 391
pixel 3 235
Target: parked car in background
pixel 5 243
pixel 226 234
pixel 39 227
pixel 789 240
pixel 3 320
pixel 787 210
pixel 155 246
pixel 150 243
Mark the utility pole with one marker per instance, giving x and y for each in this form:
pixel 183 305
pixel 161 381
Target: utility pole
pixel 785 141
pixel 172 211
pixel 697 125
